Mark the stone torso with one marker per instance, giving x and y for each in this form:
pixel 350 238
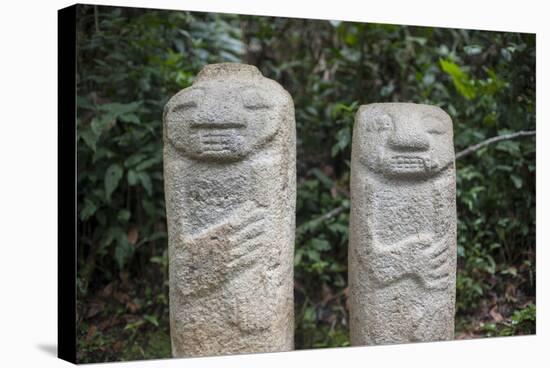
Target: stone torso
pixel 229 176
pixel 403 225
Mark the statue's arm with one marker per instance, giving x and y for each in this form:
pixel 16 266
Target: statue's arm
pixel 206 260
pixel 389 263
pixel 200 263
pixel 418 256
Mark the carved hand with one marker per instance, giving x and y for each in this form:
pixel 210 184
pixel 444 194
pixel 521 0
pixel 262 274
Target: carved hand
pixel 248 238
pixel 206 259
pixel 431 260
pixel 416 255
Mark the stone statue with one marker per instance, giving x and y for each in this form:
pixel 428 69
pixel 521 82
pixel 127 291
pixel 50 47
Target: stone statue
pixel 402 250
pixel 230 183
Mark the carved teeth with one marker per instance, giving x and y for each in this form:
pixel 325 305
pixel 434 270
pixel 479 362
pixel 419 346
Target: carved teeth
pixel 407 163
pixel 216 139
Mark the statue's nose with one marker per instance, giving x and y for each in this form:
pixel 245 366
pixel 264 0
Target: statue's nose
pixel 218 115
pixel 408 140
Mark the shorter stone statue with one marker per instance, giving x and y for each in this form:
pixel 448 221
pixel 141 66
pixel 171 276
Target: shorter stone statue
pixel 402 250
pixel 230 179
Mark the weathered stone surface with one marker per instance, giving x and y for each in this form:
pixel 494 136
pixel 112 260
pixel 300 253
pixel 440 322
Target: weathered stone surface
pixel 402 251
pixel 230 179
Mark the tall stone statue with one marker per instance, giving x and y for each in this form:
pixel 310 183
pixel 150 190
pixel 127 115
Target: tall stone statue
pixel 402 251
pixel 230 183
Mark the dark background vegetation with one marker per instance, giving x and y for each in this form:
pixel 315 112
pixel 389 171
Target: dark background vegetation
pixel 130 61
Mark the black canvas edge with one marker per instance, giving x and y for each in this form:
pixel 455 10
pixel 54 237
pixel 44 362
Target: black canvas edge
pixel 66 184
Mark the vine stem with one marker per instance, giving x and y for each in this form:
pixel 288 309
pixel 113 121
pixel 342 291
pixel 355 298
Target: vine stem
pixel 498 138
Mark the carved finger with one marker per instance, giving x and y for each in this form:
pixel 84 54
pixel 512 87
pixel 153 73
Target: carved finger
pixel 439 260
pixel 252 231
pixel 439 284
pixel 425 240
pixel 439 249
pixel 421 240
pixel 251 218
pixel 248 245
pixel 246 256
pixel 440 272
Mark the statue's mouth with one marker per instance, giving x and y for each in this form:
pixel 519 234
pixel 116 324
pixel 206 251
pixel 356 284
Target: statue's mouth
pixel 406 163
pixel 216 140
pixel 217 137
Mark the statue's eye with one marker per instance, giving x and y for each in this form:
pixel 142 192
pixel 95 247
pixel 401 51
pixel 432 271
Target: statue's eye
pixel 255 100
pixel 184 106
pixel 434 125
pixel 189 100
pixel 436 131
pixel 381 123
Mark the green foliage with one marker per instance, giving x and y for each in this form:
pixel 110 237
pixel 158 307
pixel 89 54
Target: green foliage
pixel 522 322
pixel 128 66
pixel 461 81
pixel 130 61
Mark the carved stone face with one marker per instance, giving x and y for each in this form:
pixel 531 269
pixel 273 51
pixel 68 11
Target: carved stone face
pixel 225 115
pixel 404 140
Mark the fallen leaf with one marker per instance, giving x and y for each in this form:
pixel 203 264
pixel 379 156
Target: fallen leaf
pixel 132 307
pixel 117 347
pixel 108 323
pixel 133 235
pixel 511 293
pixel 122 298
pixel 326 293
pixel 107 290
pixel 497 317
pixel 124 277
pixel 91 332
pixel 346 297
pixel 94 309
pixel 328 171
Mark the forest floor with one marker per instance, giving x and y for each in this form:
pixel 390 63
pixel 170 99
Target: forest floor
pixel 128 320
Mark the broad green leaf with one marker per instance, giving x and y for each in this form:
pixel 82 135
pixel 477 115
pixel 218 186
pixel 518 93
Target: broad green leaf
pixel 320 244
pixel 100 123
pixel 122 254
pixel 112 178
pixel 130 118
pixel 88 210
pixel 123 215
pixel 518 181
pixel 89 137
pixel 151 319
pixel 460 78
pixel 298 258
pixel 473 49
pixel 343 138
pixel 313 255
pixel 117 109
pixel 145 181
pixel 134 159
pixel 132 177
pixel 327 182
pixel 84 103
pixel 147 164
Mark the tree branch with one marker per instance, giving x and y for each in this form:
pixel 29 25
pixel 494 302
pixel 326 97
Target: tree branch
pixel 317 221
pixel 471 149
pixel 498 138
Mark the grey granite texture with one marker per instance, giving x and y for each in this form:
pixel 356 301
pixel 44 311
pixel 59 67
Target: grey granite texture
pixel 402 249
pixel 230 187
